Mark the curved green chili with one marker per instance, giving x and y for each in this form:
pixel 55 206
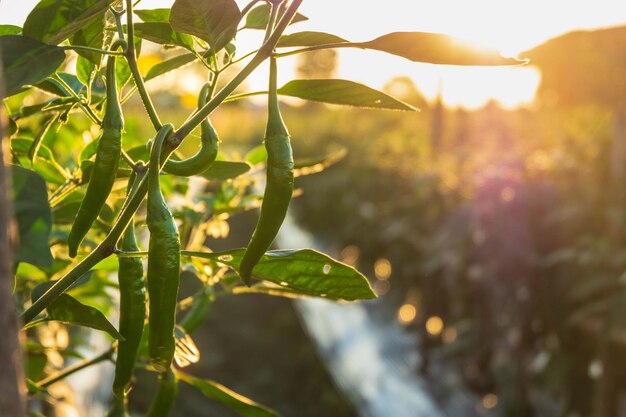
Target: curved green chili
pixel 132 308
pixel 164 401
pixel 163 264
pixel 207 153
pixel 105 166
pixel 279 183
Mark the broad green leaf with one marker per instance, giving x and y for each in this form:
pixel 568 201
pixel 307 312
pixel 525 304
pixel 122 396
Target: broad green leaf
pixel 27 61
pixel 225 170
pixel 308 38
pixel 53 86
pixel 53 21
pixel 33 216
pixel 314 165
pixel 163 34
pixel 69 310
pixel 21 146
pixel 343 92
pixel 57 104
pixel 214 21
pixel 84 70
pixel 51 172
pixel 305 272
pixel 154 15
pixel 436 48
pixel 10 30
pixel 91 35
pixel 170 65
pixel 236 402
pixel 258 17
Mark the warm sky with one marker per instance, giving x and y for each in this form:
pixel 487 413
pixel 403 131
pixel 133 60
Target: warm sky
pixel 509 25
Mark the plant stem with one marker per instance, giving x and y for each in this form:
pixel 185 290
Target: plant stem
pixel 264 52
pixel 249 6
pixel 51 379
pixel 107 246
pixel 85 108
pixel 319 47
pixel 131 57
pixel 89 49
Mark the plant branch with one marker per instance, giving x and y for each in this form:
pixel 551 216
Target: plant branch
pixel 263 53
pixel 107 246
pixel 84 107
pixel 131 57
pixel 51 379
pixel 90 49
pixel 336 45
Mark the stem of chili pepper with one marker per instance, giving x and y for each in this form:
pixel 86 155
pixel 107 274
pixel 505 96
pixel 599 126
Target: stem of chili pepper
pixel 249 6
pixel 85 108
pixel 89 49
pixel 107 246
pixel 74 368
pixel 264 52
pixel 131 57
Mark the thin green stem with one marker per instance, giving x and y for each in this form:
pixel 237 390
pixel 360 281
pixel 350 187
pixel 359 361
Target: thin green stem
pixel 238 60
pixel 85 108
pixel 236 97
pixel 90 49
pixel 74 368
pixel 264 52
pixel 107 246
pixel 133 165
pixel 336 45
pixel 249 7
pixel 274 7
pixel 131 57
pixel 123 254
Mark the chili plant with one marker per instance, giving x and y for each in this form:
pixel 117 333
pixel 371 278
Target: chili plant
pixel 68 72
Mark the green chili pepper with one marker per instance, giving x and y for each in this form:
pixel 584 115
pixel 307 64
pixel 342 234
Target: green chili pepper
pixel 164 401
pixel 198 311
pixel 279 183
pixel 132 308
pixel 105 166
pixel 207 153
pixel 163 264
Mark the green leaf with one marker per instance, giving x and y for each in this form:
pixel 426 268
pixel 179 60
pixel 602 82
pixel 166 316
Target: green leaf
pixel 344 92
pixel 154 15
pixel 52 86
pixel 214 21
pixel 10 30
pixel 21 146
pixel 436 48
pixel 69 310
pixel 84 70
pixel 305 272
pixel 57 104
pixel 236 402
pixel 91 35
pixel 12 127
pixel 53 21
pixel 258 17
pixel 33 216
pixel 169 65
pixel 163 34
pixel 314 165
pixel 27 61
pixel 308 38
pixel 225 170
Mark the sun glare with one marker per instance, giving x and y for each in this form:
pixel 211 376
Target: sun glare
pixel 506 25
